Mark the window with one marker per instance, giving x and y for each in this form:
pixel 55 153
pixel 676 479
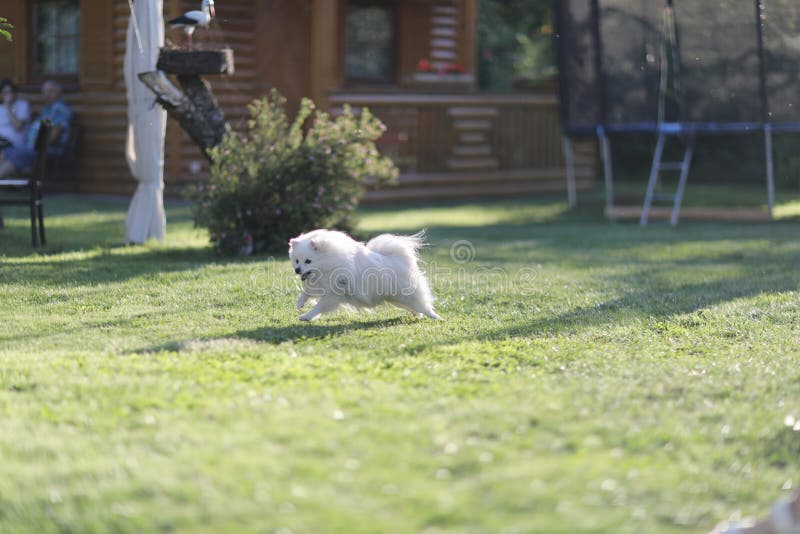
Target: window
pixel 516 44
pixel 55 38
pixel 370 41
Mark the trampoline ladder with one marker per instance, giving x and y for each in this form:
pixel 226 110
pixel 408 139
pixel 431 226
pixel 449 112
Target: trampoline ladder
pixel 655 170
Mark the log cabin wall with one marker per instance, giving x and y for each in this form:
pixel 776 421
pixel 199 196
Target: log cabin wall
pixel 298 47
pixel 99 98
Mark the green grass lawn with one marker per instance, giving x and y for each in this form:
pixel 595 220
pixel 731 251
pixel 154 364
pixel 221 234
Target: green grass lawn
pixel 587 377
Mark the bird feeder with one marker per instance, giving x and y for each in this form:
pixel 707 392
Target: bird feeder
pixel 193 105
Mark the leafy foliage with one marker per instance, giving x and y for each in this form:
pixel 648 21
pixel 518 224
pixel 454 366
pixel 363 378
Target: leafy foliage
pixel 516 45
pixel 281 179
pixel 4 27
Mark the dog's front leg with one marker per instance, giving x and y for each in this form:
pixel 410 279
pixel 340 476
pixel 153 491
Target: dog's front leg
pixel 301 300
pixel 323 306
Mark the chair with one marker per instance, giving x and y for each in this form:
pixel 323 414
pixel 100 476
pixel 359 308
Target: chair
pixel 26 190
pixel 62 168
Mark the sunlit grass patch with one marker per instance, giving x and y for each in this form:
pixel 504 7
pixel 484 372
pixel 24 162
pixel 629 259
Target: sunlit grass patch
pixel 587 376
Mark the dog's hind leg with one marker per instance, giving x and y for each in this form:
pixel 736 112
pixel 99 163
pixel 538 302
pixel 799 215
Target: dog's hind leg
pixel 420 309
pixel 430 313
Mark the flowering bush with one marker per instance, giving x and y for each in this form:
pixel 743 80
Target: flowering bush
pixel 281 179
pixel 5 26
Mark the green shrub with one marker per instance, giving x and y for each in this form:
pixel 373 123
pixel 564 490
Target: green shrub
pixel 280 179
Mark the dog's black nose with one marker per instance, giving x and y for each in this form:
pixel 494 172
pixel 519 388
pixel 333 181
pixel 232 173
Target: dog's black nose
pixel 297 270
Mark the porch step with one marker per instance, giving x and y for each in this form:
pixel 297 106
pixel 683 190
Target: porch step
pixel 465 187
pixel 456 179
pixel 441 42
pixel 443 32
pixel 444 21
pixel 472 137
pixel 472 150
pixel 472 112
pixel 443 54
pixel 472 164
pixel 461 125
pixel 445 10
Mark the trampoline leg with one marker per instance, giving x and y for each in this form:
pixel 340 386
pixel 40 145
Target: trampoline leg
pixel 569 157
pixel 685 164
pixel 651 183
pixel 605 149
pixel 770 170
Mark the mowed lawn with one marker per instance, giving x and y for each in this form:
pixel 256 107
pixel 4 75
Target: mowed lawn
pixel 587 377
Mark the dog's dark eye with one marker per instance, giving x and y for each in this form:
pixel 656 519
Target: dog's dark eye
pixel 297 261
pixel 308 261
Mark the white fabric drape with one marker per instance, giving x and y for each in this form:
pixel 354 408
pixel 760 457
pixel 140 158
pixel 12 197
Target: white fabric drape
pixel 146 124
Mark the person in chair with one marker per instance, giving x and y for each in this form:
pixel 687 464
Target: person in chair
pixel 20 159
pixel 15 113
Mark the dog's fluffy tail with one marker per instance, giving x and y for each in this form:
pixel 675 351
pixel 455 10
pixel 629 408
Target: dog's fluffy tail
pixel 404 246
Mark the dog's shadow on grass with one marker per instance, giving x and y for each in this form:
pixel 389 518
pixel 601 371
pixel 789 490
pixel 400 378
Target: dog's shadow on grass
pixel 316 330
pixel 295 333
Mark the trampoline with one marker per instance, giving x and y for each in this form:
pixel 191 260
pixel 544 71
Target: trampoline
pixel 677 69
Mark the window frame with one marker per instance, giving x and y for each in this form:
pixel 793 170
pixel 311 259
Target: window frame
pixel 67 80
pixel 393 58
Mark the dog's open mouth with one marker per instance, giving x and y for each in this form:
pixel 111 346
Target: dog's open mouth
pixel 305 276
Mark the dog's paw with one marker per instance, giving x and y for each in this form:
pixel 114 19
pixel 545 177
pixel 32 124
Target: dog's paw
pixel 308 317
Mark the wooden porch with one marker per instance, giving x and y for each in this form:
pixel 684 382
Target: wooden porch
pixel 471 145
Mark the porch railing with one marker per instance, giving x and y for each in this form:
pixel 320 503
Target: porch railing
pixel 449 145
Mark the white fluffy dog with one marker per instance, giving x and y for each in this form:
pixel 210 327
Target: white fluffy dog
pixel 338 271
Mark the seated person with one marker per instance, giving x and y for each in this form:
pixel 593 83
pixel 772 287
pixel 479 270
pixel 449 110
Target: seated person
pixel 784 519
pixel 14 115
pixel 16 159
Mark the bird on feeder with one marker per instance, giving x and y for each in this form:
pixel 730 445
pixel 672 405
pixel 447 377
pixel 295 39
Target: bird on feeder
pixel 192 19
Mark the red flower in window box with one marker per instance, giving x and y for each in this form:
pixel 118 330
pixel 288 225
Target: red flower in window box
pixel 423 65
pixel 453 68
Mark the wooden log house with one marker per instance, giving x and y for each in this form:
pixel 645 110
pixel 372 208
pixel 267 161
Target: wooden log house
pixel 448 139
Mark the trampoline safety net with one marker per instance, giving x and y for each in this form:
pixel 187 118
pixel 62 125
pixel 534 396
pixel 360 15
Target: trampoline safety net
pixel 736 63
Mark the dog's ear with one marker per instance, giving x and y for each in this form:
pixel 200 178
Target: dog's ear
pixel 292 242
pixel 316 244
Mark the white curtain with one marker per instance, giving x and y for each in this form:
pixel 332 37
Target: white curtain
pixel 146 124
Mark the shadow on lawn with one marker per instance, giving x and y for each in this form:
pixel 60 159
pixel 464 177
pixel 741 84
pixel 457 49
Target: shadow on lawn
pixel 580 239
pixel 655 303
pixel 302 331
pixel 297 332
pixel 110 265
pixel 660 306
pixel 75 222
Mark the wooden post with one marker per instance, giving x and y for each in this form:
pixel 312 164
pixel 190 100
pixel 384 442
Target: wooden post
pixel 97 51
pixel 324 49
pixel 469 42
